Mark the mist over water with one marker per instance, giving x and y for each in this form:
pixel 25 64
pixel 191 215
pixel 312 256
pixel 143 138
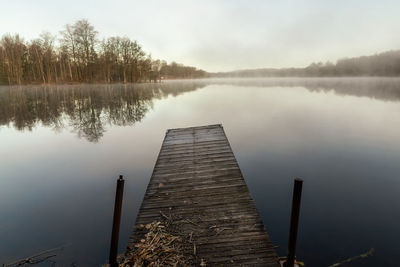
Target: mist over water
pixel 62 147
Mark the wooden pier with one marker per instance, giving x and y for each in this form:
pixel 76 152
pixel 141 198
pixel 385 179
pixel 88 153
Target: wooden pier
pixel 198 183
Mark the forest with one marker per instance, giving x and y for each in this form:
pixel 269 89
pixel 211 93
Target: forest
pixel 383 64
pixel 78 56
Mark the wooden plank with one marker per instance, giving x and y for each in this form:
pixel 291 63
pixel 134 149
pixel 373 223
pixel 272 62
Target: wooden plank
pixel 197 181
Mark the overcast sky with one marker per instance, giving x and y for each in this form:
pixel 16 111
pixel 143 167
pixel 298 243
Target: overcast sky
pixel 224 35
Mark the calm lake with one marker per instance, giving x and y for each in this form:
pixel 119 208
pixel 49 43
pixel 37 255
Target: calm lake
pixel 63 147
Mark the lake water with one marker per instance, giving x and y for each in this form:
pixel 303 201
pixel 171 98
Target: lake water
pixel 62 148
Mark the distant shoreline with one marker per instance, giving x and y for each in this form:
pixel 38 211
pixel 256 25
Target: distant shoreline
pixel 386 64
pixel 203 78
pixel 227 78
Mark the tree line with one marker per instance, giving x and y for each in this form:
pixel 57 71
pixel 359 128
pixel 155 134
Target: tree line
pixel 383 64
pixel 77 55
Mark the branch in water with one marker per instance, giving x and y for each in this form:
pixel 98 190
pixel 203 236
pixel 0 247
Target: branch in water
pixel 364 255
pixel 35 259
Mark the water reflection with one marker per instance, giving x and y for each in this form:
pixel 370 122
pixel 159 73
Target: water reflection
pixel 387 89
pixel 86 109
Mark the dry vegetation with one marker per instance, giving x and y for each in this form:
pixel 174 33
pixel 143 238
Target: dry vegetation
pixel 159 247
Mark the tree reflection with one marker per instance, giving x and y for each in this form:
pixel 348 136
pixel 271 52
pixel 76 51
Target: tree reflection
pixel 386 89
pixel 86 109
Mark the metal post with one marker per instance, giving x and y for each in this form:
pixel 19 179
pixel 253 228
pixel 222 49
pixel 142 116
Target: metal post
pixel 116 222
pixel 294 222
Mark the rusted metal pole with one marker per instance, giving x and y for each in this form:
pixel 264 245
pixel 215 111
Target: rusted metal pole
pixel 116 222
pixel 294 222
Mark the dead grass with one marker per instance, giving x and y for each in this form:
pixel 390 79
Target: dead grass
pixel 159 247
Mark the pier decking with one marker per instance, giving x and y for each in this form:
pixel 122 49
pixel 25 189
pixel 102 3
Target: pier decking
pixel 197 181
